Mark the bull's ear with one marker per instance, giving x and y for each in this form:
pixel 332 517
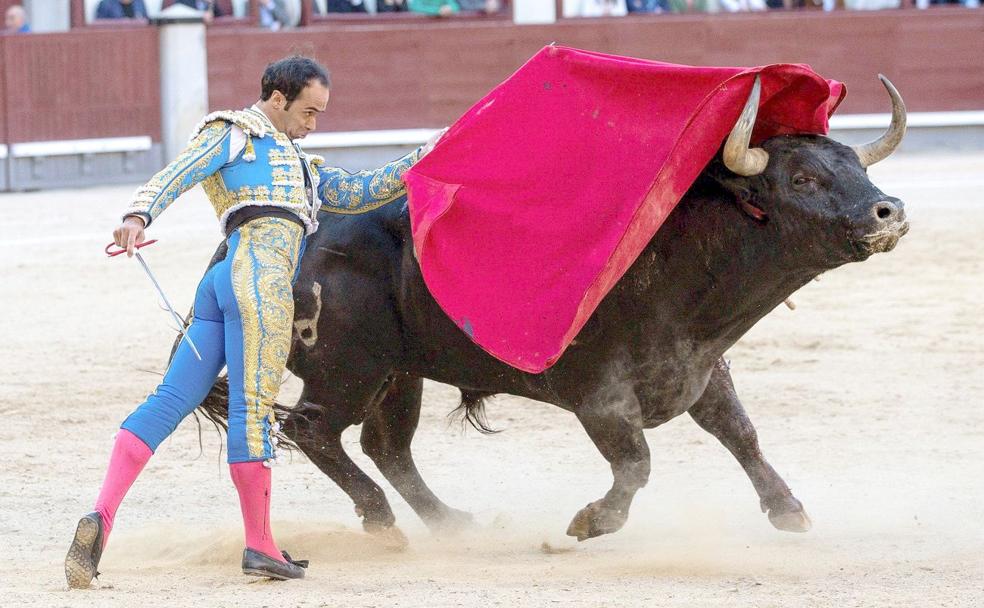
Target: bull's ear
pixel 741 187
pixel 738 185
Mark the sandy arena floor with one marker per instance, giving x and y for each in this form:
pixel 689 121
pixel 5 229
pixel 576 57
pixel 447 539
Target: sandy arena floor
pixel 867 398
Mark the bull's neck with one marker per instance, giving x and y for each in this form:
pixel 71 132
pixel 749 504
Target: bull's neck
pixel 721 270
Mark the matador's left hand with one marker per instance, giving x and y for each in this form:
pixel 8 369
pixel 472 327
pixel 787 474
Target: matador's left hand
pixel 129 233
pixel 427 147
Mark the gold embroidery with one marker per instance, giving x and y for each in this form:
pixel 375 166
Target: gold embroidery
pixel 282 184
pixel 262 270
pixel 217 193
pixel 193 165
pixel 314 161
pixel 248 120
pixel 352 193
pixel 282 140
pixel 249 152
pixel 297 197
pixel 281 157
pixel 287 177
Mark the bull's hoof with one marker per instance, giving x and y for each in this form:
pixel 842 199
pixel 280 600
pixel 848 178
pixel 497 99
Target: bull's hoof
pixel 788 515
pixel 793 521
pixel 390 537
pixel 596 519
pixel 451 521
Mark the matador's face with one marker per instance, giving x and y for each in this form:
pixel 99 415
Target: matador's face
pixel 299 117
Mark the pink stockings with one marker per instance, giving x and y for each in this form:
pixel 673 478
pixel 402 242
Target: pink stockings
pixel 252 481
pixel 130 454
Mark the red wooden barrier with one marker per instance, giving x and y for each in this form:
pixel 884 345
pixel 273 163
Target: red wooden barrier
pixel 3 91
pixel 395 75
pixel 411 74
pixel 91 83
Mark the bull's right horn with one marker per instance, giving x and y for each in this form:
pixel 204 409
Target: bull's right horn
pixel 738 157
pixel 872 152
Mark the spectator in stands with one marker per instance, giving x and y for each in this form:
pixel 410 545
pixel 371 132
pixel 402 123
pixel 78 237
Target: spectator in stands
pixel 121 9
pixel 743 6
pixel 211 8
pixel 488 7
pixel 602 8
pixel 786 4
pixel 871 5
pixel 688 6
pixel 342 6
pixel 922 4
pixel 273 14
pixel 391 6
pixel 437 8
pixel 647 6
pixel 15 20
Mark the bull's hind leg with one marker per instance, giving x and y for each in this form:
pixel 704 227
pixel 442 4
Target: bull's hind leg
pixel 615 427
pixel 386 435
pixel 316 426
pixel 719 412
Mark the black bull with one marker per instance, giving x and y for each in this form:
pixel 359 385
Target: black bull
pixel 367 331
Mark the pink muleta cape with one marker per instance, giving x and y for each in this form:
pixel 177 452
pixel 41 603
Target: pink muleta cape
pixel 542 195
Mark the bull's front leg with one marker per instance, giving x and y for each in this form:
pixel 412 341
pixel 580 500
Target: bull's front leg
pixel 719 412
pixel 616 430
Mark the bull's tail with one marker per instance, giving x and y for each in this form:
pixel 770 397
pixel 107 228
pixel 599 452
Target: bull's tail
pixel 215 409
pixel 472 411
pixel 215 406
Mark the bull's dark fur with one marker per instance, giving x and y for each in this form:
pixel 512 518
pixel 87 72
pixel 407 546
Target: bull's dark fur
pixel 215 409
pixel 651 351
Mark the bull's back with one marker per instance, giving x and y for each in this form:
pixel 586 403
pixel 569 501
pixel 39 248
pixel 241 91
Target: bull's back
pixel 362 306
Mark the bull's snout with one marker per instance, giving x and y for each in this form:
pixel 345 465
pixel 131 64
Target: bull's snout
pixel 884 226
pixel 888 212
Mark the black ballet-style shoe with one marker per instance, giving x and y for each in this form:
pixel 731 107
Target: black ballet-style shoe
pixel 261 564
pixel 82 560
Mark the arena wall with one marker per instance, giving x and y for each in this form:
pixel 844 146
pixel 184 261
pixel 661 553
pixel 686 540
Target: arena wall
pixel 426 74
pixel 4 180
pixel 76 110
pixel 84 106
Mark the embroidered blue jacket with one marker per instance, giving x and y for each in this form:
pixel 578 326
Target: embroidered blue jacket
pixel 270 170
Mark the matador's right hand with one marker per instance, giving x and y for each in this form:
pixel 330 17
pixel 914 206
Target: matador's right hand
pixel 130 232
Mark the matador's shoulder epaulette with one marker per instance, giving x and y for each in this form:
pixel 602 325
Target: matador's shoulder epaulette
pixel 250 121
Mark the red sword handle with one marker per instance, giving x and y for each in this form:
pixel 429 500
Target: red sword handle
pixel 120 251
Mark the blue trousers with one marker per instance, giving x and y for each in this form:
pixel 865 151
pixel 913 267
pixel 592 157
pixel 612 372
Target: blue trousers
pixel 243 317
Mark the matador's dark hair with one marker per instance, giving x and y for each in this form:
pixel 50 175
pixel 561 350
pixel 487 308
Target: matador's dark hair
pixel 290 75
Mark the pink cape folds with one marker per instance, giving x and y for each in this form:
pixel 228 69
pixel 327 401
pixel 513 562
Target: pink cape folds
pixel 542 195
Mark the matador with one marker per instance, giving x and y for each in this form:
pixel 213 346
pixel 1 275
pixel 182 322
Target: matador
pixel 267 194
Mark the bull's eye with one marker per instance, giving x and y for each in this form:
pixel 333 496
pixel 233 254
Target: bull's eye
pixel 800 180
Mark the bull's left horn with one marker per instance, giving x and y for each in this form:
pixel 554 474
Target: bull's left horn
pixel 738 157
pixel 882 147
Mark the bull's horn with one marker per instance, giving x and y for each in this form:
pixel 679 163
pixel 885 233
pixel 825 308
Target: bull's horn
pixel 738 157
pixel 882 147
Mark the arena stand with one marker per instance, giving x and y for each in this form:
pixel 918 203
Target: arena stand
pixel 399 78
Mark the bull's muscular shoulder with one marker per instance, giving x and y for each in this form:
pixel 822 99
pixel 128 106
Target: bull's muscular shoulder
pixel 393 217
pixel 365 239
